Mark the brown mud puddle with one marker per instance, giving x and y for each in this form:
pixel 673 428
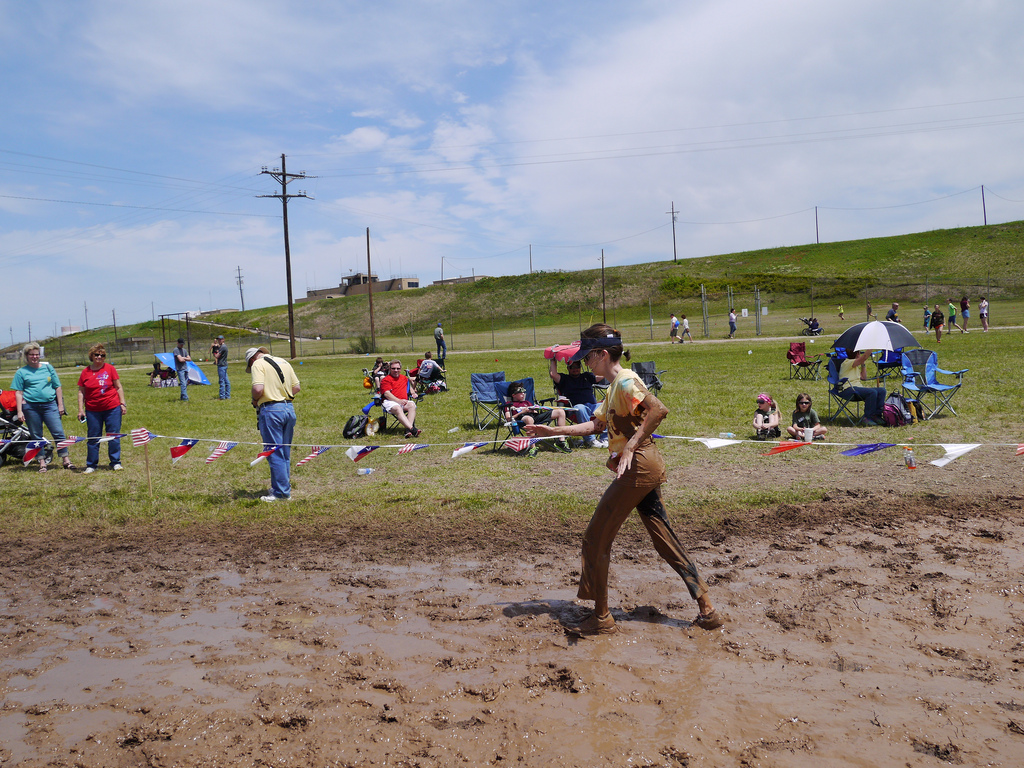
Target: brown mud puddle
pixel 890 639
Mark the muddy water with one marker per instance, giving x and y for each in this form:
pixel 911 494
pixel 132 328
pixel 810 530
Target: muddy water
pixel 898 644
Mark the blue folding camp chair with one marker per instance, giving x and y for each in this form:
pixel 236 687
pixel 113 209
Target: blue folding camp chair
pixel 841 402
pixel 920 367
pixel 889 364
pixel 508 427
pixel 484 398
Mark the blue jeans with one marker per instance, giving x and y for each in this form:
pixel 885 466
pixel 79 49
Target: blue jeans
pixel 872 397
pixel 95 422
pixel 277 426
pixel 222 379
pixel 583 413
pixel 37 414
pixel 442 349
pixel 183 383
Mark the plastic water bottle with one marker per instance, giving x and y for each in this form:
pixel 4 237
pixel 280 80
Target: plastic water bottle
pixel 364 471
pixel 727 435
pixel 908 457
pixel 454 429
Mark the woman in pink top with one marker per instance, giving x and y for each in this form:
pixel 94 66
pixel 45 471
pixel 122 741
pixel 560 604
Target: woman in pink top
pixel 101 403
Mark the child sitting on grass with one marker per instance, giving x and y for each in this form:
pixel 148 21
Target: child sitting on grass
pixel 766 418
pixel 805 417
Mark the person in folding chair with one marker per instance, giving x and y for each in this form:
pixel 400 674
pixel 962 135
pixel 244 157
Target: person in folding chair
pixel 397 399
pixel 430 372
pixel 631 414
pixel 526 413
pixel 578 388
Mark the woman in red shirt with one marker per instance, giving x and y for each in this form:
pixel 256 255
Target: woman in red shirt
pixel 101 403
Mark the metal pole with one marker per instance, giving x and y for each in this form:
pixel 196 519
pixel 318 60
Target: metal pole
pixel 984 214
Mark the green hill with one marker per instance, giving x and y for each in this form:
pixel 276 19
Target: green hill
pixel 926 266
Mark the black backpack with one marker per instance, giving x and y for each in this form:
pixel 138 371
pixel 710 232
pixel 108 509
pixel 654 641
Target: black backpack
pixel 355 427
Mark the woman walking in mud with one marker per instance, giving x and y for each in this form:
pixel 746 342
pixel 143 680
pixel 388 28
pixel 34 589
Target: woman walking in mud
pixel 630 413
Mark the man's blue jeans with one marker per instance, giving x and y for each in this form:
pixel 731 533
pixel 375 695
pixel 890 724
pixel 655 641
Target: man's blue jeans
pixel 222 379
pixel 277 426
pixel 872 397
pixel 583 413
pixel 183 383
pixel 442 349
pixel 37 414
pixel 95 421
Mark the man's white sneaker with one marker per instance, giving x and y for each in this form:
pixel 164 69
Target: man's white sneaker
pixel 117 467
pixel 268 498
pixel 90 470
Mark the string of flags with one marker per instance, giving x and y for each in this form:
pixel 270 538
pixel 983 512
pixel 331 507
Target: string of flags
pixel 142 436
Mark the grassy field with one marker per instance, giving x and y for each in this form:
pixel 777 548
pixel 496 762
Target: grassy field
pixel 709 388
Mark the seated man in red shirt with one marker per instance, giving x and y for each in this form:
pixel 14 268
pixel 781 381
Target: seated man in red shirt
pixel 395 391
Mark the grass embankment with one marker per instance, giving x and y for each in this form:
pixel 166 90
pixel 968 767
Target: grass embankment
pixel 709 388
pixel 542 308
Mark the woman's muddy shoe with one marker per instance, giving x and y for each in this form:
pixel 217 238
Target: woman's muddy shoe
pixel 709 621
pixel 593 625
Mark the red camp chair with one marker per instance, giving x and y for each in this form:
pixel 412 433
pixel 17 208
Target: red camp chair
pixel 799 366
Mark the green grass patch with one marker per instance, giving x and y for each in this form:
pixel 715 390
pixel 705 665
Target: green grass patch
pixel 709 388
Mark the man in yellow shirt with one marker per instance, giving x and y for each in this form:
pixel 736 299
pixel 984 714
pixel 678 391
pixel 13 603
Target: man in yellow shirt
pixel 274 385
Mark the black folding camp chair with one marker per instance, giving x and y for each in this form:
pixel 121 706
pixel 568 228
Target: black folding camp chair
pixel 649 375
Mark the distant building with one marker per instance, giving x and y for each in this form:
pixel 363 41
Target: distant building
pixel 359 285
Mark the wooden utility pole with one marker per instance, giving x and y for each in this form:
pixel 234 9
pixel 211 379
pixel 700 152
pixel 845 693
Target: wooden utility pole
pixel 369 291
pixel 604 314
pixel 282 176
pixel 675 257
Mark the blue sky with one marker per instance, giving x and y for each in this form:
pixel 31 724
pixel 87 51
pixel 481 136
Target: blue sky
pixel 462 133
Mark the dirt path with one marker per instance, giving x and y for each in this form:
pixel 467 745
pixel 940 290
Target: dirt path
pixel 890 637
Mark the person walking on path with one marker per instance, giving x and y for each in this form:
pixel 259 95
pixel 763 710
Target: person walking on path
pixel 40 400
pixel 274 386
pixel 732 323
pixel 631 414
pixel 101 403
pixel 927 317
pixel 442 348
pixel 983 314
pixel 220 353
pixel 181 361
pixel 673 329
pixel 871 314
pixel 952 317
pixel 841 313
pixel 686 332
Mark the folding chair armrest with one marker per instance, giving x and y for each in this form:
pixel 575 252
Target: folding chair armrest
pixel 661 372
pixel 547 400
pixel 952 373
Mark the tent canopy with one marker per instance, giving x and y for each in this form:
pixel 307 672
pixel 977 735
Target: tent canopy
pixel 195 373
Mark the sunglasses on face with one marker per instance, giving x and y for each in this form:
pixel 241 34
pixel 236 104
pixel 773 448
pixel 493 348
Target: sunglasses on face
pixel 99 355
pixel 804 402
